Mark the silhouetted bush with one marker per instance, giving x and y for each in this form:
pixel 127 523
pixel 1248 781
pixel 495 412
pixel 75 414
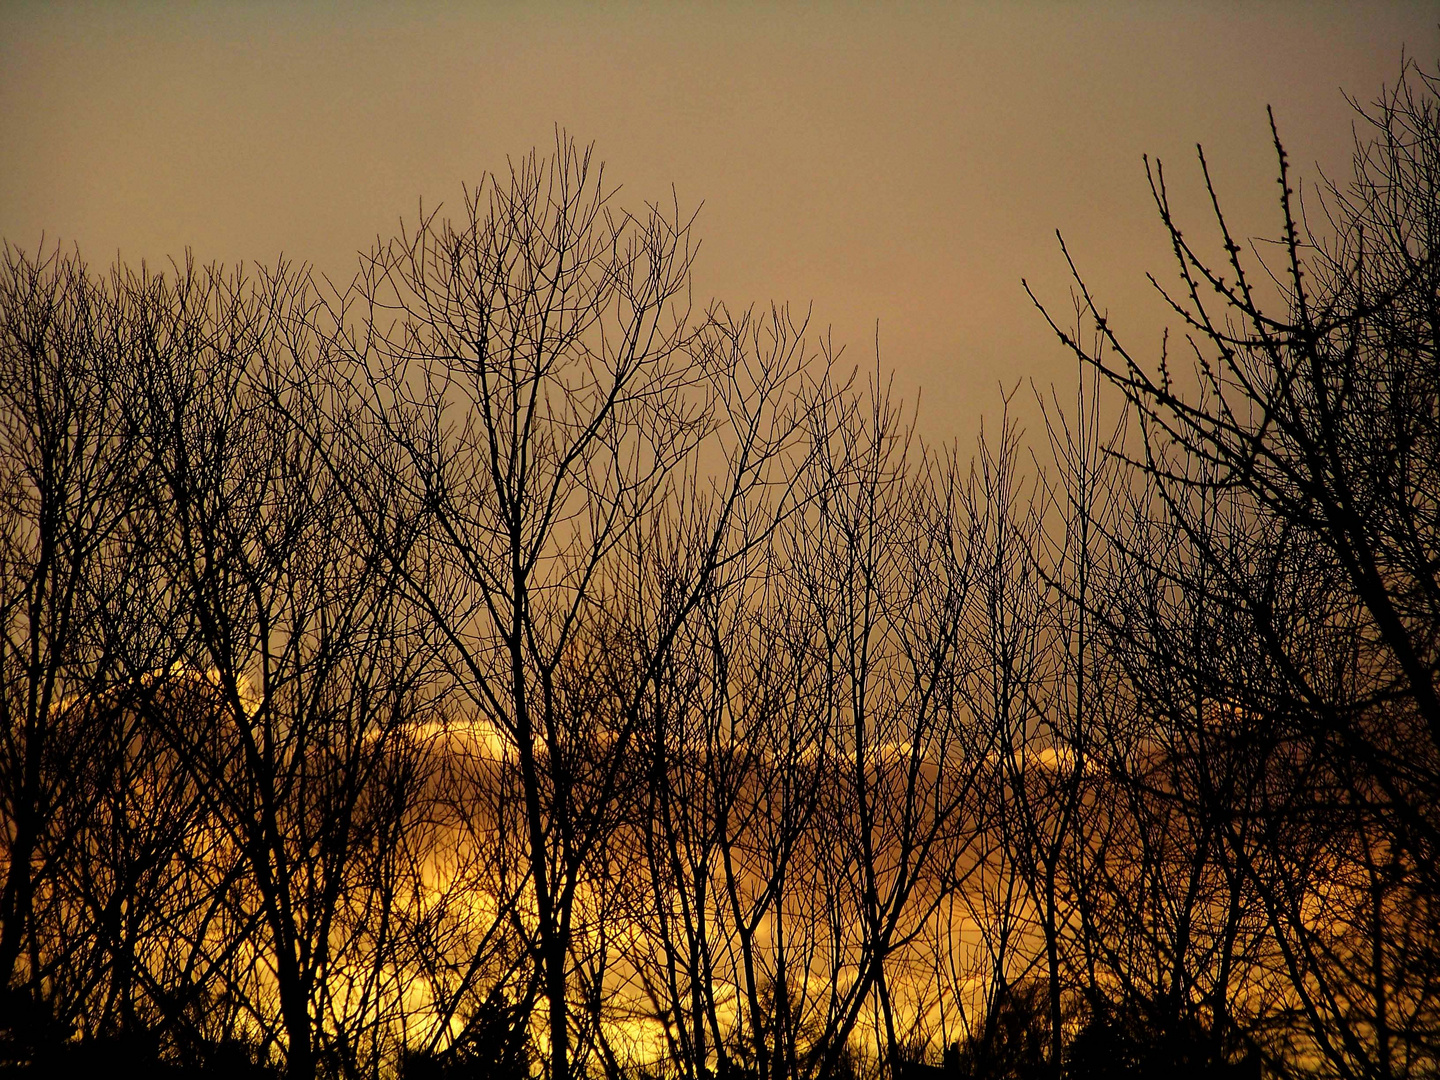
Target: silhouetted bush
pixel 1011 1043
pixel 1139 1039
pixel 494 1045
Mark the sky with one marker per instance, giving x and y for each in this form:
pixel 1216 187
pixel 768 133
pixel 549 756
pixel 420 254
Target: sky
pixel 890 166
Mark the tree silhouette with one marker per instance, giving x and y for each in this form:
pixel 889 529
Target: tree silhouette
pixel 1290 503
pixel 500 666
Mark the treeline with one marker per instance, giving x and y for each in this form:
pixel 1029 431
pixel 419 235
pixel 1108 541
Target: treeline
pixel 498 666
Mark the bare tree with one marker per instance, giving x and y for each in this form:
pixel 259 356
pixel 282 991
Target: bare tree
pixel 1301 482
pixel 884 565
pixel 73 618
pixel 535 370
pixel 308 754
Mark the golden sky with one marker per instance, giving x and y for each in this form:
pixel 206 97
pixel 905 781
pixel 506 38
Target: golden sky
pixel 906 163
